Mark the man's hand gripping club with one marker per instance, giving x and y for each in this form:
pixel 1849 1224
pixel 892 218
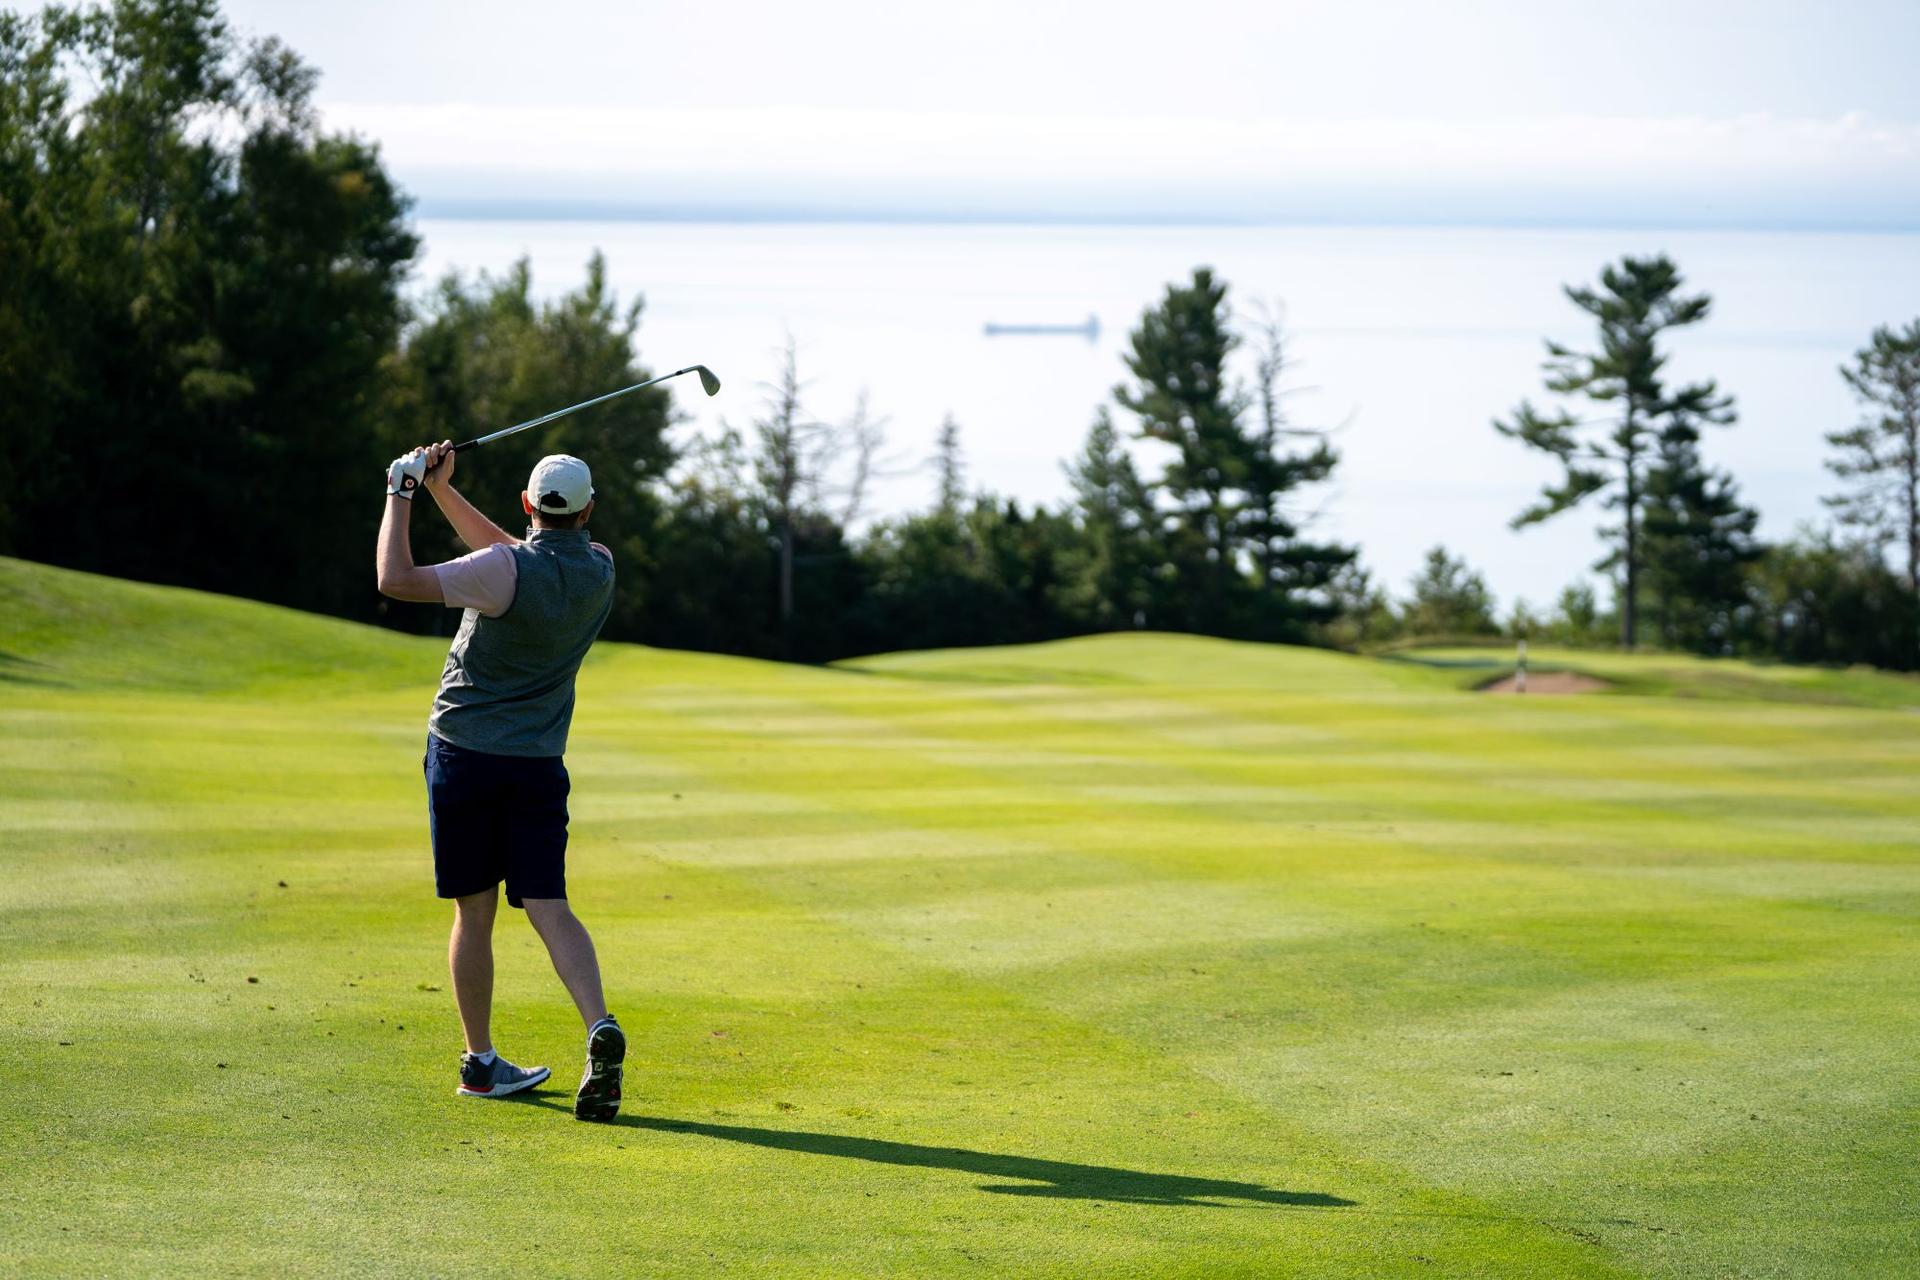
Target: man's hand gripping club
pixel 397 575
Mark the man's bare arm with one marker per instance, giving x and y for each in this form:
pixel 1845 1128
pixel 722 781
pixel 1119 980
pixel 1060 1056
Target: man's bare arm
pixel 474 528
pixel 395 572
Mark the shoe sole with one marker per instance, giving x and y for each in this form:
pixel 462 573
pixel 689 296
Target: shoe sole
pixel 599 1096
pixel 504 1090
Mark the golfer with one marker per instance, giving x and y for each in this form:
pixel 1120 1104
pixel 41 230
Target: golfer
pixel 496 784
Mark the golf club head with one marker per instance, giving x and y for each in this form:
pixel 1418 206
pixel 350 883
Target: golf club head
pixel 708 383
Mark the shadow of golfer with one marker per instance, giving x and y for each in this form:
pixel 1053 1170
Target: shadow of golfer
pixel 1036 1177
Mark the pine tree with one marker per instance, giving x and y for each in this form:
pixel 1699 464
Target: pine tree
pixel 1116 513
pixel 1638 300
pixel 950 466
pixel 1449 599
pixel 1577 618
pixel 788 463
pixel 1698 543
pixel 1287 567
pixel 198 286
pixel 1362 614
pixel 1881 454
pixel 1178 356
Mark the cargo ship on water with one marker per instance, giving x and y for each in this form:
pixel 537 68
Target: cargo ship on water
pixel 1090 330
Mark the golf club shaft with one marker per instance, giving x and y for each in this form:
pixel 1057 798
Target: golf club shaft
pixel 561 413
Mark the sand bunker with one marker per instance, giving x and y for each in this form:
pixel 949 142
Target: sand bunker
pixel 1548 682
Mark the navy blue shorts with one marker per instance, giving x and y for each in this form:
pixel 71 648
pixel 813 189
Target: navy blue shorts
pixel 496 818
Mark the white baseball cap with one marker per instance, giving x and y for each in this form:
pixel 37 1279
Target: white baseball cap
pixel 560 485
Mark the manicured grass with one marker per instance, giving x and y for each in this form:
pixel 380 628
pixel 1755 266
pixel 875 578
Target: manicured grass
pixel 1674 675
pixel 1135 955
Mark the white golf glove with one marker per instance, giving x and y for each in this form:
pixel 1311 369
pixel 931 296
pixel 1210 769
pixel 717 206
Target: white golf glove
pixel 405 474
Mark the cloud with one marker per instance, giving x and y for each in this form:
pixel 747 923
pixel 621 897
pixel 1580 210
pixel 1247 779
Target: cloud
pixel 1849 165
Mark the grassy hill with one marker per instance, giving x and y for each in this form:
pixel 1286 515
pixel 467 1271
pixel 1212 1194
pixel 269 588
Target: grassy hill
pixel 1133 955
pixel 1676 675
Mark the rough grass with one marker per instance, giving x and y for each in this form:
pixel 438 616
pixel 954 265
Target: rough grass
pixel 1135 955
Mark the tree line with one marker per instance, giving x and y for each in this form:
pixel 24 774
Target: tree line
pixel 207 353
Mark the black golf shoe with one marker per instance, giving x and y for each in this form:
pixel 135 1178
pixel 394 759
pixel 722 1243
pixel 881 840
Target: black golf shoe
pixel 599 1096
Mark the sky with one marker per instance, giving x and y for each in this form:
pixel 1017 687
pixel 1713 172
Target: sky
pixel 1414 180
pixel 1677 113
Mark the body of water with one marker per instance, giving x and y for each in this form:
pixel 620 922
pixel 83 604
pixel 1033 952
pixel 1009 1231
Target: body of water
pixel 1408 341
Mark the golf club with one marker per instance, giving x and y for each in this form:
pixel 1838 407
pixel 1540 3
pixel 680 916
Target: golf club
pixel 708 383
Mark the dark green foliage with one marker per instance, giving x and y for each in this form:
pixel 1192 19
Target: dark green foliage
pixel 1698 544
pixel 1578 619
pixel 1362 614
pixel 485 355
pixel 194 317
pixel 1178 357
pixel 1113 563
pixel 1448 599
pixel 1637 301
pixel 989 575
pixel 1284 565
pixel 1880 455
pixel 794 458
pixel 1817 600
pixel 709 573
pixel 1231 561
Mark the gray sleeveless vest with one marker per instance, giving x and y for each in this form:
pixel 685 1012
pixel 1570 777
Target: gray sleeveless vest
pixel 508 684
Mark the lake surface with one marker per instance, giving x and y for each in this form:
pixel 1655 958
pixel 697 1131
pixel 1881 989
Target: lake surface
pixel 1407 340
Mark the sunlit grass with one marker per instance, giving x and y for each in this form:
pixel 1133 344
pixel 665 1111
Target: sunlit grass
pixel 1138 955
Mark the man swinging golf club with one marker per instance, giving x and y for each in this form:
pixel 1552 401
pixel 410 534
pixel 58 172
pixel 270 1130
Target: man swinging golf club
pixel 496 784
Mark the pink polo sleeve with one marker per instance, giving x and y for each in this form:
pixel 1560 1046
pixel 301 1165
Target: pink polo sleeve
pixel 484 580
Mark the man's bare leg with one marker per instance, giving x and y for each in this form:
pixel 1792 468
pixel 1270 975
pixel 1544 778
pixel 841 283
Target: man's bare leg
pixel 571 951
pixel 470 961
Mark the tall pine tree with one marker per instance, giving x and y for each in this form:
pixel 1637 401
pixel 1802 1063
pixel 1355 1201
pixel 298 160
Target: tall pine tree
pixel 1290 571
pixel 1880 455
pixel 1235 563
pixel 950 467
pixel 1178 357
pixel 1698 542
pixel 198 285
pixel 1610 455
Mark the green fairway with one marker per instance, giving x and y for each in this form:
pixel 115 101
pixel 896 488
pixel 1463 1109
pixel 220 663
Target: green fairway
pixel 1135 955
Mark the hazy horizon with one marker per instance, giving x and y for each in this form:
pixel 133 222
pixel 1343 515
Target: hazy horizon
pixel 511 208
pixel 1416 338
pixel 1717 113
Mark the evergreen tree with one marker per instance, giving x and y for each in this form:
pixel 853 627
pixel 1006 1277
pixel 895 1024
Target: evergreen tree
pixel 1638 300
pixel 789 460
pixel 1178 357
pixel 989 574
pixel 1880 455
pixel 1448 599
pixel 803 466
pixel 1578 618
pixel 197 289
pixel 950 466
pixel 1234 561
pixel 1362 614
pixel 1296 577
pixel 1116 552
pixel 709 529
pixel 484 354
pixel 1818 600
pixel 1698 543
